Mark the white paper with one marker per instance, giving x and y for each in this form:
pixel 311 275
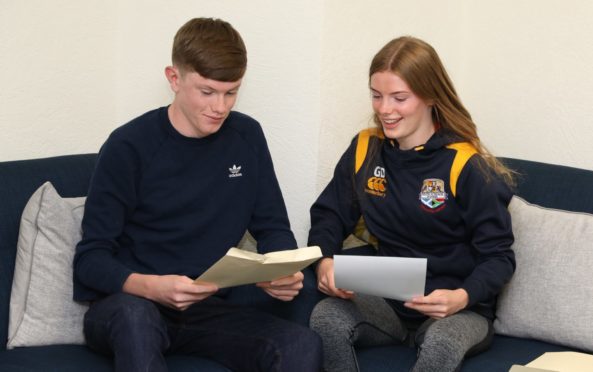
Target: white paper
pixel 518 368
pixel 398 278
pixel 564 361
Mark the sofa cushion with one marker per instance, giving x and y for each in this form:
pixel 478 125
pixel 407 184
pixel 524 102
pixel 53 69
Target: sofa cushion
pixel 550 295
pixel 69 174
pixel 42 311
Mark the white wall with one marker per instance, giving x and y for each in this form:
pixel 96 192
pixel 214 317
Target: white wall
pixel 529 80
pixel 522 68
pixel 57 77
pixel 351 37
pixel 72 71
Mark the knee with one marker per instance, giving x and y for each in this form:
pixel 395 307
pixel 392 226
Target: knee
pixel 311 342
pixel 456 335
pixel 132 310
pixel 304 352
pixel 328 318
pixel 314 351
pixel 136 318
pixel 441 348
pixel 123 322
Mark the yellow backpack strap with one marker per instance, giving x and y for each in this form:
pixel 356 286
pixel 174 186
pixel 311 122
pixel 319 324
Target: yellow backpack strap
pixel 465 151
pixel 361 232
pixel 362 146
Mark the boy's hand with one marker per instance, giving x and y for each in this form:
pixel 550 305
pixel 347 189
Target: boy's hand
pixel 175 291
pixel 285 288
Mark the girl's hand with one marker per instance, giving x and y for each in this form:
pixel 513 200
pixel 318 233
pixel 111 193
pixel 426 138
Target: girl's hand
pixel 325 280
pixel 440 303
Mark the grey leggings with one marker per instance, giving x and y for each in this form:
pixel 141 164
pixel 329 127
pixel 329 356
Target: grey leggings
pixel 370 321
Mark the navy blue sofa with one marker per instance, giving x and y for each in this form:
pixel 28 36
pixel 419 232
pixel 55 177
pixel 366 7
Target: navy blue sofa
pixel 544 184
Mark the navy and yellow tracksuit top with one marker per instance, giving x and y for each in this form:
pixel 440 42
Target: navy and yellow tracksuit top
pixel 161 203
pixel 433 201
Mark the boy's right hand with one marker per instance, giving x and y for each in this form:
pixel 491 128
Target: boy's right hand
pixel 325 280
pixel 175 291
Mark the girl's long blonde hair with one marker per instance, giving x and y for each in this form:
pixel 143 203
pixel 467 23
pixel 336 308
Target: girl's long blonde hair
pixel 418 64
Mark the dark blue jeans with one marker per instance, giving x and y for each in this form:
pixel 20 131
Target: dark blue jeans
pixel 139 332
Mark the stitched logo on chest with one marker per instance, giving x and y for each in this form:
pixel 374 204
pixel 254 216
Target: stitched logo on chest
pixel 235 171
pixel 376 184
pixel 433 195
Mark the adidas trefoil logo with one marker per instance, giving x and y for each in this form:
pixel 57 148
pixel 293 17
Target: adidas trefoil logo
pixel 235 171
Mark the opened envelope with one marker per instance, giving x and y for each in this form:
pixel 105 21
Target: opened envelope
pixel 240 267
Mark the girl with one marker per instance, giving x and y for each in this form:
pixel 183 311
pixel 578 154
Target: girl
pixel 426 187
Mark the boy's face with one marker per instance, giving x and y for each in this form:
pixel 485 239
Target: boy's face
pixel 201 105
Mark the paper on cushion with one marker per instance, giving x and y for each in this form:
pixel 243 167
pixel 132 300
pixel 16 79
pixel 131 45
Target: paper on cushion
pixel 518 368
pixel 240 267
pixel 399 278
pixel 564 361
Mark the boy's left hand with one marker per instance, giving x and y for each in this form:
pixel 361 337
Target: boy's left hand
pixel 285 288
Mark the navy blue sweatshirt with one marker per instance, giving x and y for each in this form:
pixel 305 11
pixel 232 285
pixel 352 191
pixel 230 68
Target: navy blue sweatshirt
pixel 162 203
pixel 409 205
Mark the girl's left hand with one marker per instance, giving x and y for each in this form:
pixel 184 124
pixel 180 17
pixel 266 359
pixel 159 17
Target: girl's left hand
pixel 440 303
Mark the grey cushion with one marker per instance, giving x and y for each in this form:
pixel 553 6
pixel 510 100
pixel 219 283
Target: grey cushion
pixel 550 297
pixel 42 311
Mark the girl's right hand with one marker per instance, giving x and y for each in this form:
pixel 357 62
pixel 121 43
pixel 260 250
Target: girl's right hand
pixel 325 280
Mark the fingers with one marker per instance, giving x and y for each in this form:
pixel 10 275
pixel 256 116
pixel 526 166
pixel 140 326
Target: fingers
pixel 346 295
pixel 282 294
pixel 183 292
pixel 440 303
pixel 327 286
pixel 179 306
pixel 285 288
pixel 341 293
pixel 202 287
pixel 324 285
pixel 295 279
pixel 325 278
pixel 192 295
pixel 326 282
pixel 428 309
pixel 291 282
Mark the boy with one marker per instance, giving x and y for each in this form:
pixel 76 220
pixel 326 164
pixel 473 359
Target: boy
pixel 172 190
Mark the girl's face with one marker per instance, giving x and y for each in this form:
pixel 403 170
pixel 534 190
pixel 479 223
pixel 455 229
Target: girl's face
pixel 404 116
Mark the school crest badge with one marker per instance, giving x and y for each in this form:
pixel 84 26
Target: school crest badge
pixel 433 195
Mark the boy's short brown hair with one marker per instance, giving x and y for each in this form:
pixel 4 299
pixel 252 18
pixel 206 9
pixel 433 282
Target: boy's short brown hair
pixel 212 48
